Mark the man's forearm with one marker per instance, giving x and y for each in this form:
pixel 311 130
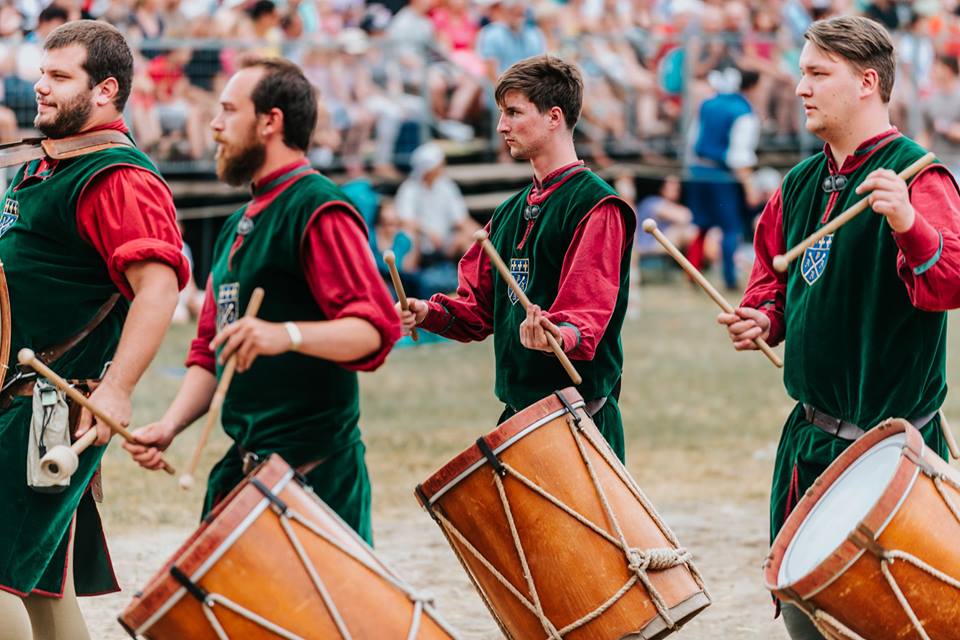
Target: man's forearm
pixel 147 321
pixel 193 398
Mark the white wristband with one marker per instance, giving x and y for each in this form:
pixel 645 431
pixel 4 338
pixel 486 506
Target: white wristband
pixel 296 338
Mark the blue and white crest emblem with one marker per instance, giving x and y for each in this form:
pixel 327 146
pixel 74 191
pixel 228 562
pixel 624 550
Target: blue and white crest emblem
pixel 10 214
pixel 520 270
pixel 815 259
pixel 228 299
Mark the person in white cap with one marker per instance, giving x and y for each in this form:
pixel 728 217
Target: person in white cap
pixel 431 206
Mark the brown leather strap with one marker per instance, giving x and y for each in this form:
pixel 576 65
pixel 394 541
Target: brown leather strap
pixel 16 153
pixel 21 387
pixel 50 354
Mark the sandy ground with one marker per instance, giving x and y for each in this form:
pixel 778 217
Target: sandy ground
pixel 727 538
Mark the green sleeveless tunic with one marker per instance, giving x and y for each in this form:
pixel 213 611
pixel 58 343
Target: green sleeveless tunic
pixel 57 284
pixel 856 348
pixel 523 375
pixel 298 406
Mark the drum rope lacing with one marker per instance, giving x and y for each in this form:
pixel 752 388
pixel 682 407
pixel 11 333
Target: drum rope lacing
pixel 285 515
pixel 888 556
pixel 639 561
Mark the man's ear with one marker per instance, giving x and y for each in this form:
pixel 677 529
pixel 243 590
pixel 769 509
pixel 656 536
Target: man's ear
pixel 869 83
pixel 272 123
pixel 557 118
pixel 105 92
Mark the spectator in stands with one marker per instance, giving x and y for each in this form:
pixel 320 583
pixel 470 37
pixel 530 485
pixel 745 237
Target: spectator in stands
pixel 389 234
pixel 146 21
pixel 941 113
pixel 674 219
pixel 724 146
pixel 509 37
pixel 433 210
pixel 18 86
pixel 265 20
pixel 179 106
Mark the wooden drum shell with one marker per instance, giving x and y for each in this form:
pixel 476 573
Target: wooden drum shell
pixel 242 552
pixel 574 569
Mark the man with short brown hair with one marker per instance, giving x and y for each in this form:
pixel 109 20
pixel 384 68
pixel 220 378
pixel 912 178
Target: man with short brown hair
pixel 93 262
pixel 862 314
pixel 326 312
pixel 567 238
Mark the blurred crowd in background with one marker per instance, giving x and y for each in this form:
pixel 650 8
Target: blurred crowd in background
pixel 392 76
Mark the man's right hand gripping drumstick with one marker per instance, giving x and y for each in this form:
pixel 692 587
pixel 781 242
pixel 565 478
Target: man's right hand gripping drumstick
pixel 746 330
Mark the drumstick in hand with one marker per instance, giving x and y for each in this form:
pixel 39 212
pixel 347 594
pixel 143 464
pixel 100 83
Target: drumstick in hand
pixel 391 260
pixel 948 436
pixel 28 358
pixel 481 237
pixel 780 262
pixel 216 403
pixel 650 226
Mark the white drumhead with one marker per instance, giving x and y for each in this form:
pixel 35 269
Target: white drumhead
pixel 840 509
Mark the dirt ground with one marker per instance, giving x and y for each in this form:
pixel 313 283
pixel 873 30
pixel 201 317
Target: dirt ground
pixel 701 426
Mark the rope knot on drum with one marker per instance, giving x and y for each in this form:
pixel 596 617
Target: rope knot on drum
pixel 643 560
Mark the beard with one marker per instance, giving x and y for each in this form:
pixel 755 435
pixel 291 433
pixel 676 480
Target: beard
pixel 71 116
pixel 238 166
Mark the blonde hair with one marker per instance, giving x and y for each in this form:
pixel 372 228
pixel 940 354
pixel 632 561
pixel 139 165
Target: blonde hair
pixel 863 43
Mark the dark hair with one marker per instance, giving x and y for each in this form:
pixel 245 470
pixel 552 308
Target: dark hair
pixel 51 13
pixel 748 79
pixel 547 82
pixel 950 62
pixel 283 86
pixel 108 54
pixel 863 43
pixel 261 8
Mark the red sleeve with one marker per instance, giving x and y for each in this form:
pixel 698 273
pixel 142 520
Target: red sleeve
pixel 929 258
pixel 469 315
pixel 127 214
pixel 767 288
pixel 343 277
pixel 590 280
pixel 201 354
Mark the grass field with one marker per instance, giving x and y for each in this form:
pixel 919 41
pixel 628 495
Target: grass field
pixel 701 420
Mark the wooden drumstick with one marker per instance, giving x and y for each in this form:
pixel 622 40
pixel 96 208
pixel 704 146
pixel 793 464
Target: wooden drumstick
pixel 491 251
pixel 948 436
pixel 391 260
pixel 650 226
pixel 28 358
pixel 780 262
pixel 216 403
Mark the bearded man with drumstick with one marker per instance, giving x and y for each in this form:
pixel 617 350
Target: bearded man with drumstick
pixel 326 313
pixel 92 252
pixel 862 313
pixel 566 239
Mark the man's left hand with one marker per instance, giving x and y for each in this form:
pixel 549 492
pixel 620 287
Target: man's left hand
pixel 534 329
pixel 249 338
pixel 113 401
pixel 890 198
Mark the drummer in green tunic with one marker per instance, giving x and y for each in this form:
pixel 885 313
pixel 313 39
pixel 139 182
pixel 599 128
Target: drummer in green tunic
pixel 566 238
pixel 326 313
pixel 862 314
pixel 93 262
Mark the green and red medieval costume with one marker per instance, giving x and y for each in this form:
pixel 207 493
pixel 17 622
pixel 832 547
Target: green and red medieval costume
pixel 68 231
pixel 862 314
pixel 305 244
pixel 567 242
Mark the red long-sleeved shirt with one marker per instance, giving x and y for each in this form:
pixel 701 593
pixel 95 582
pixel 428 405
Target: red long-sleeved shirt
pixel 928 262
pixel 587 292
pixel 339 269
pixel 126 213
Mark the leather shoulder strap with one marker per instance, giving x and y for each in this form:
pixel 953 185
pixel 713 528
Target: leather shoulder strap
pixel 51 354
pixel 84 143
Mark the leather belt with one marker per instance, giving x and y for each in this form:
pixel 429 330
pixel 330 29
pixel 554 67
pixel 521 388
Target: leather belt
pixel 847 430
